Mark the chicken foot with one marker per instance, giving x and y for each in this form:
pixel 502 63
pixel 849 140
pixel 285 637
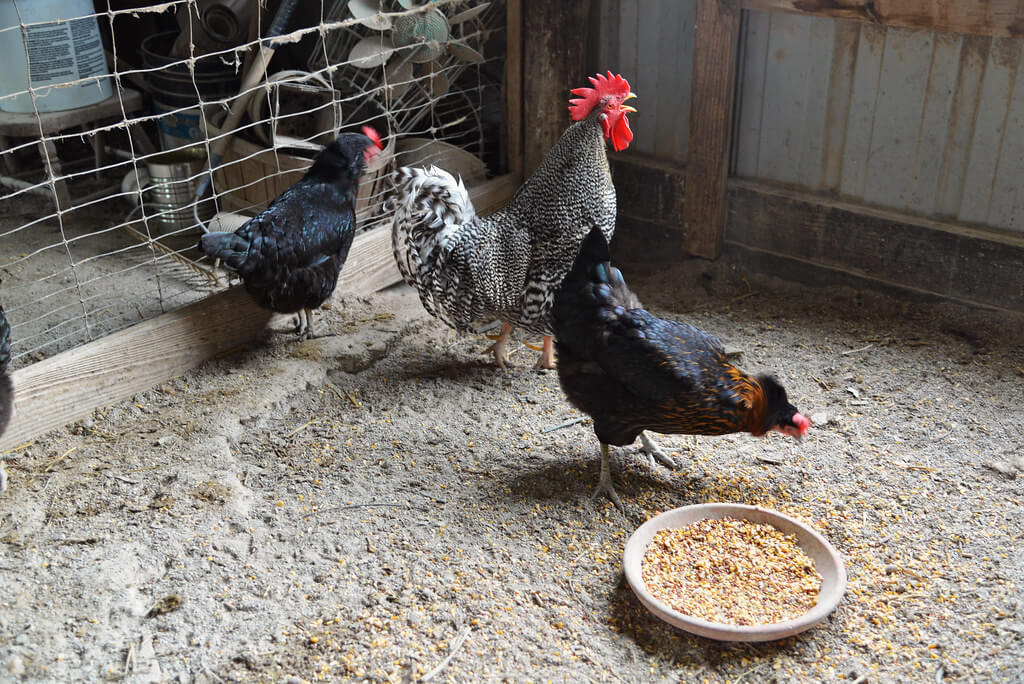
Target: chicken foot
pixel 655 454
pixel 498 348
pixel 304 328
pixel 547 356
pixel 605 485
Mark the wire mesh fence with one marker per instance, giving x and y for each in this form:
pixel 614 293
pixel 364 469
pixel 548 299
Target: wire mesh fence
pixel 129 130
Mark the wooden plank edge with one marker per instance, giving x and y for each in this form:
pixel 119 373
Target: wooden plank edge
pixel 1001 18
pixel 71 385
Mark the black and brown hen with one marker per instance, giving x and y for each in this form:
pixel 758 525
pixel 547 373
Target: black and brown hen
pixel 289 256
pixel 632 371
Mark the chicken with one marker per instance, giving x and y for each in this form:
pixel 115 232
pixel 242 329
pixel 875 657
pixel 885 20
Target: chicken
pixel 632 371
pixel 289 256
pixel 6 386
pixel 509 264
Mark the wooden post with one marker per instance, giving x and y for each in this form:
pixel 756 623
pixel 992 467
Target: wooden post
pixel 707 165
pixel 514 86
pixel 554 62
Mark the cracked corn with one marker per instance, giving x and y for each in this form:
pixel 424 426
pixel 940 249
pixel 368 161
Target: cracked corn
pixel 731 571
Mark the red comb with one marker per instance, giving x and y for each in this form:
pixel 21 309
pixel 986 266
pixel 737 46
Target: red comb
pixel 373 136
pixel 612 84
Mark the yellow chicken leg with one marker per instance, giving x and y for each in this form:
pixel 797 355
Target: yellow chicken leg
pixel 547 356
pixel 498 348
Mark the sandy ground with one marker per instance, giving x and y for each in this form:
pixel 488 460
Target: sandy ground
pixel 381 502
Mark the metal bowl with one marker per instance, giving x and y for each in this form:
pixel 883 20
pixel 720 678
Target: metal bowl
pixel 826 559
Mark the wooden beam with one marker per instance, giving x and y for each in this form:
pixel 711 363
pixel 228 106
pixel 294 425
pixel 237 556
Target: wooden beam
pixel 514 86
pixel 707 165
pixel 70 385
pixel 1002 18
pixel 554 62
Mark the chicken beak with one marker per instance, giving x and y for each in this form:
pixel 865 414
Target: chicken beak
pixel 627 108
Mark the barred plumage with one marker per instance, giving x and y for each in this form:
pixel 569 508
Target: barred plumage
pixel 509 264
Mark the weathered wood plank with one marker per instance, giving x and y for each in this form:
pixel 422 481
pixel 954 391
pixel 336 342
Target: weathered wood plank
pixel 1007 208
pixel 989 130
pixel 747 145
pixel 554 57
pixel 938 103
pixel 70 385
pixel 514 86
pixel 839 95
pixel 707 168
pixel 785 98
pixel 898 112
pixel 1003 18
pixel 861 119
pixel 964 110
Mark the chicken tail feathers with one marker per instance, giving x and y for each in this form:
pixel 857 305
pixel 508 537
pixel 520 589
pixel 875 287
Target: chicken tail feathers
pixel 430 209
pixel 230 248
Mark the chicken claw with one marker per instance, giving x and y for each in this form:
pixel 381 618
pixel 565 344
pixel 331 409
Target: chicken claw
pixel 498 348
pixel 655 454
pixel 547 356
pixel 605 485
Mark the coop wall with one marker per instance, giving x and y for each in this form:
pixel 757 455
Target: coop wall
pixel 922 129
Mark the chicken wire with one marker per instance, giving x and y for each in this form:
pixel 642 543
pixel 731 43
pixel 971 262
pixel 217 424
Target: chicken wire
pixel 93 241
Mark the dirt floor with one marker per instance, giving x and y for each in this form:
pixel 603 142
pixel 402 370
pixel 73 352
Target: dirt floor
pixel 382 502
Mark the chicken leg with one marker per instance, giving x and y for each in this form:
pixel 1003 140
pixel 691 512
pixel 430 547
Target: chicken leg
pixel 655 454
pixel 305 324
pixel 498 348
pixel 547 356
pixel 605 484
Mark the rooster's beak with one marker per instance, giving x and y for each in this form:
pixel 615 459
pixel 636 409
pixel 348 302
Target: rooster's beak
pixel 627 108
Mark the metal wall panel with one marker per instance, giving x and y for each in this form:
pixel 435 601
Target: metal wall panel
pixel 920 121
pixel 651 43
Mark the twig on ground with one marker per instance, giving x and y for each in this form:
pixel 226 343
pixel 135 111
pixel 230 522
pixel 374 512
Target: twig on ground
pixel 854 351
pixel 365 505
pixel 750 671
pixel 53 464
pixel 301 428
pixel 565 424
pixel 456 645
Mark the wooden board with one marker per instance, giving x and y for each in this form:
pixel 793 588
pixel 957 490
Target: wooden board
pixel 554 62
pixel 707 167
pixel 514 86
pixel 1003 18
pixel 956 262
pixel 71 385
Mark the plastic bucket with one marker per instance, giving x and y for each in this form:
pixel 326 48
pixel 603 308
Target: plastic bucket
pixel 65 50
pixel 177 90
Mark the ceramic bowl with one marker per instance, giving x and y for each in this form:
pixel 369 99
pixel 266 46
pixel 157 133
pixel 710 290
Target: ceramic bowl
pixel 826 559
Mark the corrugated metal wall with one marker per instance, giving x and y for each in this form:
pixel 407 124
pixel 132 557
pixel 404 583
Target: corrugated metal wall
pixel 922 121
pixel 651 43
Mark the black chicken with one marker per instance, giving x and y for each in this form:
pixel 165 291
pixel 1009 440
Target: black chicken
pixel 632 371
pixel 6 386
pixel 289 256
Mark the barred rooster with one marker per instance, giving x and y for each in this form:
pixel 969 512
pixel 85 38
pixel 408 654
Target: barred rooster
pixel 509 264
pixel 289 256
pixel 632 371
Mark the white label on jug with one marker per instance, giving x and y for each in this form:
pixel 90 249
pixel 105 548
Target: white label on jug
pixel 88 47
pixel 52 56
pixel 49 54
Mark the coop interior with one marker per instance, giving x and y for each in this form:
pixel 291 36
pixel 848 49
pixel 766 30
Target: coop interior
pixel 836 190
